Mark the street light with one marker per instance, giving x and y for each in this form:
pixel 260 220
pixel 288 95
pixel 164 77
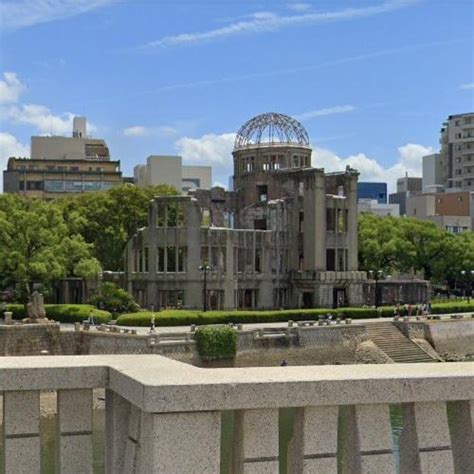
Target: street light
pixel 470 276
pixel 205 268
pixel 376 275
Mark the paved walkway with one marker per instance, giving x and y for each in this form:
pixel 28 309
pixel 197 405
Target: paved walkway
pixel 168 329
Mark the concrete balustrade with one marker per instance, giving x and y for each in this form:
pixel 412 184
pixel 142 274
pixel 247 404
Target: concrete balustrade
pixel 165 416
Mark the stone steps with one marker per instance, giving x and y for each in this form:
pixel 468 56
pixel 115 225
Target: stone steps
pixel 387 337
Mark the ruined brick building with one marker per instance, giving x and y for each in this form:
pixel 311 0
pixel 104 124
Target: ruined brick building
pixel 286 236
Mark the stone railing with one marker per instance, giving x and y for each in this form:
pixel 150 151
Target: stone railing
pixel 163 416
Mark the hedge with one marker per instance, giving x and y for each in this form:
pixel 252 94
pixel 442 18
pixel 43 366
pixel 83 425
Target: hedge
pixel 187 317
pixel 65 313
pixel 216 342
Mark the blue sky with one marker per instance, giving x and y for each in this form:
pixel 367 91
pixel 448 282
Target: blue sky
pixel 372 81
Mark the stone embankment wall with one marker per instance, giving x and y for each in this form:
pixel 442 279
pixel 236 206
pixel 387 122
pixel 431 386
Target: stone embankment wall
pixel 451 339
pixel 309 345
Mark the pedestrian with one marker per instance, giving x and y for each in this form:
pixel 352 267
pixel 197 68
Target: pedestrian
pixel 284 363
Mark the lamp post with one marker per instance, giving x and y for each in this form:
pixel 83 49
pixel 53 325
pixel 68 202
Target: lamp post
pixel 376 275
pixel 204 268
pixel 470 276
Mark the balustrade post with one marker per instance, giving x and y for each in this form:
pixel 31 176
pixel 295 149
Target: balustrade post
pixel 313 447
pixel 117 412
pixel 462 421
pixel 179 443
pixel 21 430
pixel 368 446
pixel 425 444
pixel 256 445
pixel 74 432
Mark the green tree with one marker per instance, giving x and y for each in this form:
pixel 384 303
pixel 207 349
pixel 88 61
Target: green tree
pixel 108 220
pixel 36 245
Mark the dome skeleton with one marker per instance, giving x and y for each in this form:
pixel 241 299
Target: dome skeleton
pixel 278 128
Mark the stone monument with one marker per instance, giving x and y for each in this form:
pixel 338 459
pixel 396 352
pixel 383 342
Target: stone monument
pixel 35 308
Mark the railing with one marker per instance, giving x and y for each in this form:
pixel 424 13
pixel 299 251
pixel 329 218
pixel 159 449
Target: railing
pixel 164 416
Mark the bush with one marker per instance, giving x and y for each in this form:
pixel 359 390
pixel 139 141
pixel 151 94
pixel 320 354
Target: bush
pixel 114 299
pixel 186 317
pixel 453 307
pixel 216 342
pixel 65 313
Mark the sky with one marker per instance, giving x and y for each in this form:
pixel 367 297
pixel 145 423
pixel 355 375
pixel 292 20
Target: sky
pixel 371 81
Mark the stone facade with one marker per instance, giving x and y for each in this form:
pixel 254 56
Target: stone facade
pixel 285 237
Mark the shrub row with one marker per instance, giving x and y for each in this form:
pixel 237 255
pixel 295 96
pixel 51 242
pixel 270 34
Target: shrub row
pixel 216 342
pixel 65 313
pixel 186 317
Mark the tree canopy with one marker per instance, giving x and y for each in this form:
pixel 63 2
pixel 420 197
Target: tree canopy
pixel 36 245
pixel 407 244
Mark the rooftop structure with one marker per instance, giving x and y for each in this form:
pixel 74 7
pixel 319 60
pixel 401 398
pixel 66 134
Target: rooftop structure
pixel 62 166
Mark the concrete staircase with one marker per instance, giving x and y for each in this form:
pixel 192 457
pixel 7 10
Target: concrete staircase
pixel 395 344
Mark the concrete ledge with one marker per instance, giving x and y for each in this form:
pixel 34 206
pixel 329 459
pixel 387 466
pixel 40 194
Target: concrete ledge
pixel 158 384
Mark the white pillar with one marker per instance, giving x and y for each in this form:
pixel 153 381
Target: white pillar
pixel 425 445
pixel 256 444
pixel 313 447
pixel 74 432
pixel 21 430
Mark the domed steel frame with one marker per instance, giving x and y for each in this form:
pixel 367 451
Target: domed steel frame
pixel 278 128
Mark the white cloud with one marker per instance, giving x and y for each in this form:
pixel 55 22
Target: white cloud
pixel 10 88
pixel 143 131
pixel 409 161
pixel 16 14
pixel 269 22
pixel 211 150
pixel 41 117
pixel 10 146
pixel 469 85
pixel 338 109
pixel 216 151
pixel 299 7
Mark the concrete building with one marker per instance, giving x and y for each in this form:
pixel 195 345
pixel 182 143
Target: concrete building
pixel 457 152
pixel 165 169
pixel 432 175
pixel 374 207
pixel 377 191
pixel 406 187
pixel 285 237
pixel 451 211
pixel 61 166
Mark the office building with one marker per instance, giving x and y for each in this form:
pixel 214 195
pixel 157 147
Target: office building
pixel 377 191
pixel 451 211
pixel 406 186
pixel 61 166
pixel 374 207
pixel 432 174
pixel 169 170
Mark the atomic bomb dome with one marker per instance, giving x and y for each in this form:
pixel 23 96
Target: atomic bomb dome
pixel 271 128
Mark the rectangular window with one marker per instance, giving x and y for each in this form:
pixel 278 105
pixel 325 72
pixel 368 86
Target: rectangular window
pixel 258 260
pixel 262 192
pixel 341 220
pixel 146 255
pixel 160 264
pixel 330 260
pixel 181 259
pixel 330 220
pixel 260 224
pixel 140 261
pixel 171 259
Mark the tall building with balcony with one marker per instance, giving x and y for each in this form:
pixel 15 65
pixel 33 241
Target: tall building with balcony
pixel 457 152
pixel 62 166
